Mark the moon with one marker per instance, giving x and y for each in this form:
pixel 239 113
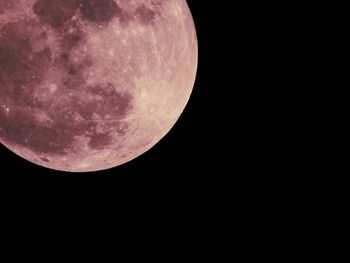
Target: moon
pixel 87 85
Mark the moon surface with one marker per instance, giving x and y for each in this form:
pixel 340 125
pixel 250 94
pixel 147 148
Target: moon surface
pixel 87 85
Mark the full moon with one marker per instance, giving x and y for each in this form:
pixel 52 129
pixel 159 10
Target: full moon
pixel 87 85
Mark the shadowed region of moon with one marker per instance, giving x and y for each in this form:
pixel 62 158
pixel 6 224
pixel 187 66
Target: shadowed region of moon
pixel 87 85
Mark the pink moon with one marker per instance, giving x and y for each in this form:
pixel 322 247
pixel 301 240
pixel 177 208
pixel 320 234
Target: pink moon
pixel 87 85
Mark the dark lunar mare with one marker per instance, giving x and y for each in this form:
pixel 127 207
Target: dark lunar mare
pixel 22 70
pixel 113 109
pixel 20 67
pixel 55 12
pixel 99 11
pixel 58 12
pixel 145 15
pixel 71 36
pixel 6 5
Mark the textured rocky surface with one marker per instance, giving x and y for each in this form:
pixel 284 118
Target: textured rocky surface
pixel 90 84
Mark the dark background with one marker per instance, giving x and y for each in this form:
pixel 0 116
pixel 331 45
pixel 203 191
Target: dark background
pixel 215 173
pixel 181 159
